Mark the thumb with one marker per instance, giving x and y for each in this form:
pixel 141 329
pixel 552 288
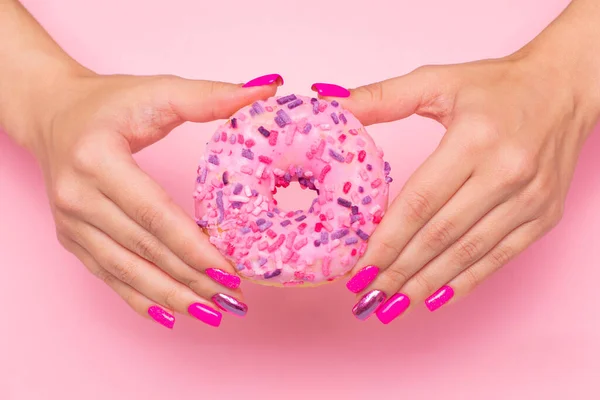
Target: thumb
pixel 419 92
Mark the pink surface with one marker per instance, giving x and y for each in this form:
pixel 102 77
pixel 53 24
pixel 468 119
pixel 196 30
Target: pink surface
pixel 529 332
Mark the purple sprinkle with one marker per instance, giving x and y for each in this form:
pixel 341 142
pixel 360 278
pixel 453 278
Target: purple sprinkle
pixel 262 261
pixel 270 214
pixel 366 200
pixel 265 226
pixel 263 131
pixel 295 103
pixel 354 210
pixel 306 128
pixel 217 136
pixel 197 179
pixel 234 123
pixel 232 139
pixel 303 181
pixel 285 99
pixel 286 118
pixel 225 178
pixel 317 243
pixel 213 159
pixel 340 234
pixel 313 100
pixel 344 202
pixel 369 167
pixel 335 103
pixel 335 118
pixel 388 179
pixel 238 188
pixel 362 235
pixel 298 212
pixel 300 218
pixel 343 118
pixel 279 121
pixel 220 206
pixel 202 224
pixel 361 189
pixel 351 240
pixel 276 210
pixel 258 108
pixel 285 223
pixel 324 237
pixel 252 112
pixel 247 153
pixel 272 274
pixel 387 168
pixel 236 204
pixel 336 156
pixel 312 205
pixel 299 171
pixel 260 221
pixel 245 230
pixel 239 267
pixel 203 175
pixel 254 193
pixel 287 177
pixel 316 107
pixel 354 218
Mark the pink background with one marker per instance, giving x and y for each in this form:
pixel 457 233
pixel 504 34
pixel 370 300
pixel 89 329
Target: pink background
pixel 532 331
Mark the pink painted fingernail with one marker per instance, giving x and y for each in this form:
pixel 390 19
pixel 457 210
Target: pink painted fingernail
pixel 230 304
pixel 205 314
pixel 368 304
pixel 331 90
pixel 439 298
pixel 362 278
pixel 392 308
pixel 161 316
pixel 224 278
pixel 265 80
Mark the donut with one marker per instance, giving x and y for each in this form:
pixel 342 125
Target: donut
pixel 272 144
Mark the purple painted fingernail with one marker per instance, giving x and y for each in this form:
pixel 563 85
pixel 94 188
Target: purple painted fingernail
pixel 362 279
pixel 392 308
pixel 161 316
pixel 265 80
pixel 368 304
pixel 439 298
pixel 205 314
pixel 330 90
pixel 224 278
pixel 230 304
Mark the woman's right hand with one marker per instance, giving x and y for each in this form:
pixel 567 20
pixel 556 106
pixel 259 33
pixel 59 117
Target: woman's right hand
pixel 119 222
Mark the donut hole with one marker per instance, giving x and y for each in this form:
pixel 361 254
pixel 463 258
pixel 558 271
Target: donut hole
pixel 294 197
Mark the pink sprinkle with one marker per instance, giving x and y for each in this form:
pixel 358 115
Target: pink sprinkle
pixel 290 239
pixel 269 108
pixel 299 274
pixel 258 201
pixel 223 136
pixel 301 243
pixel 246 170
pixel 324 172
pixel 330 140
pixel 353 132
pixel 362 155
pixel 277 244
pixel 325 265
pixel 247 191
pixel 375 209
pixel 260 170
pixel 239 198
pixel 308 174
pixel 341 138
pixel 333 244
pixel 347 187
pixel 360 142
pixel 362 248
pixel 217 151
pixel 278 172
pixel 349 157
pixel 216 183
pixel 329 214
pixel 289 139
pixel 271 233
pixel 327 226
pixel 355 198
pixel 295 257
pixel 273 138
pixel 376 183
pixel 374 193
pixel 264 159
pixel 302 226
pixel 320 149
pixel 322 107
pixel 249 143
pixel 287 256
pixel 364 175
pixel 263 245
pixel 309 155
pixel 240 138
pixel 379 152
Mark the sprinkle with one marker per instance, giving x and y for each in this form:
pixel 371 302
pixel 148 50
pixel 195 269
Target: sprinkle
pixel 252 112
pixel 260 221
pixel 362 235
pixel 213 159
pixel 225 178
pixel 341 138
pixel 203 175
pixel 249 143
pixel 246 170
pixel 285 223
pixel 233 123
pixel 388 179
pixel 277 244
pixel 349 157
pixel 334 103
pixel 264 131
pixel 325 265
pixel 369 167
pixel 301 243
pixel 325 127
pixel 220 206
pixel 262 261
pixel 290 239
pixel 387 168
pixel 336 156
pixel 344 202
pixel 301 227
pixel 264 159
pixel 265 226
pixel 355 217
pixel 289 139
pixel 313 100
pixel 340 234
pixel 216 137
pixel 376 183
pixel 354 210
pixel 364 175
pixel 258 108
pixel 279 121
pixel 247 153
pixel 315 107
pixel 232 139
pixel 375 193
pixel 347 187
pixel 223 136
pixel 295 103
pixel 334 243
pixel 283 115
pixel 272 274
pixel 317 243
pixel 374 210
pixel 306 128
pixel 270 214
pixel 273 138
pixel 361 189
pixel 353 132
pixel 351 240
pixel 285 99
pixel 238 188
pixel 324 172
pixel 361 155
pixel 324 237
pixel 300 218
pixel 239 198
pixel 244 230
pixel 343 118
pixel 260 170
pixel 366 200
pixel 335 118
pixel 240 138
pixel 202 223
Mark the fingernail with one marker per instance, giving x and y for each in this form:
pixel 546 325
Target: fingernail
pixel 265 80
pixel 368 304
pixel 230 304
pixel 328 89
pixel 392 308
pixel 205 314
pixel 439 298
pixel 161 316
pixel 362 278
pixel 224 278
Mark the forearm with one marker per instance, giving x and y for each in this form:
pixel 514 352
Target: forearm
pixel 32 66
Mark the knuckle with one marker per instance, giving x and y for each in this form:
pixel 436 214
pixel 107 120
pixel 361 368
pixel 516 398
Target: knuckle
pixel 387 245
pixel 418 206
pixel 472 279
pixel 438 235
pixel 126 272
pixel 519 167
pixel 147 247
pixel 150 218
pixel 501 255
pixel 85 155
pixel 468 250
pixel 396 276
pixel 170 297
pixel 374 92
pixel 425 284
pixel 65 197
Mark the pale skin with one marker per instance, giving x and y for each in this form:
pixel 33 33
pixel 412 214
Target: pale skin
pixel 516 126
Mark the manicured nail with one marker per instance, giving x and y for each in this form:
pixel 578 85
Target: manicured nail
pixel 439 298
pixel 265 80
pixel 368 304
pixel 328 89
pixel 161 316
pixel 230 304
pixel 362 278
pixel 392 308
pixel 224 278
pixel 205 314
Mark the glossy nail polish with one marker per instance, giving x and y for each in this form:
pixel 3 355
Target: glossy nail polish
pixel 265 80
pixel 224 278
pixel 368 304
pixel 205 314
pixel 161 316
pixel 362 278
pixel 392 308
pixel 230 304
pixel 439 298
pixel 330 90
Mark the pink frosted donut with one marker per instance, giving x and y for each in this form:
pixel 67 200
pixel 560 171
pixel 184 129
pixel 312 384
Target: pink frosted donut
pixel 271 144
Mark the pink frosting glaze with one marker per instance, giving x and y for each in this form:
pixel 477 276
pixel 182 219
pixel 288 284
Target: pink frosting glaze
pixel 271 144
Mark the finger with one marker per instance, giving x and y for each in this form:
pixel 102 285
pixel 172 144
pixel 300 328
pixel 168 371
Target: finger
pixel 426 91
pixel 422 197
pixel 138 302
pixel 111 220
